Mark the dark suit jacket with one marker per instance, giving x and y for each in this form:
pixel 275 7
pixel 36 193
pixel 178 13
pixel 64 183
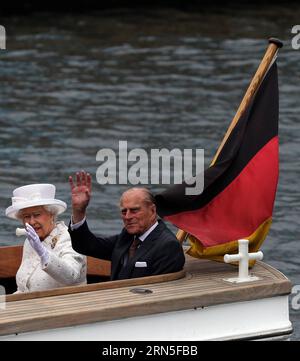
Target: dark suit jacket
pixel 160 251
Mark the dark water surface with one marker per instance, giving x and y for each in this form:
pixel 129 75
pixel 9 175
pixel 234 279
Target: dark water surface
pixel 74 84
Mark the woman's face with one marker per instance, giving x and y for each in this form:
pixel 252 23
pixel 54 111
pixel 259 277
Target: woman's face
pixel 40 219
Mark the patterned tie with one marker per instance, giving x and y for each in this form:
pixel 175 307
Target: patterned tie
pixel 134 245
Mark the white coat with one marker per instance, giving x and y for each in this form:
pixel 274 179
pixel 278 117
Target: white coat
pixel 64 268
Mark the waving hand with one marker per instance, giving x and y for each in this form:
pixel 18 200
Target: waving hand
pixel 81 194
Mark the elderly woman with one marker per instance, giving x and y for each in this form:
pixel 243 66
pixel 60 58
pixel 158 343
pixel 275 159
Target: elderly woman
pixel 49 260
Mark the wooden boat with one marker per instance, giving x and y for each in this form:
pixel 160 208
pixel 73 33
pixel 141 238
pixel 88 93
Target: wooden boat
pixel 199 299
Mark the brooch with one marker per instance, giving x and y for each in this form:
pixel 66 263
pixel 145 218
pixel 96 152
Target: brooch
pixel 53 242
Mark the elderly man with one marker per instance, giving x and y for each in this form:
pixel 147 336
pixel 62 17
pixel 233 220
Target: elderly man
pixel 145 247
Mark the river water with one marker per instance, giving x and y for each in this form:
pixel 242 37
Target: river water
pixel 74 84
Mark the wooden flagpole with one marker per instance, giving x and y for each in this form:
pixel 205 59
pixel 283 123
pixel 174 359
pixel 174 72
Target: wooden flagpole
pixel 274 45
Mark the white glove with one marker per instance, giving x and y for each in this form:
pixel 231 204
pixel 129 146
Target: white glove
pixel 36 244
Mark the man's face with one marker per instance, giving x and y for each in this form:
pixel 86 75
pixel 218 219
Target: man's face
pixel 137 214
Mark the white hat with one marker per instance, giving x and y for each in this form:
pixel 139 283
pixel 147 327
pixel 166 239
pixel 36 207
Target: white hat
pixel 34 195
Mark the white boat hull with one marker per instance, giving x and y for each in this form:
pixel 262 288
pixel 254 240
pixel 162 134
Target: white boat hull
pixel 256 319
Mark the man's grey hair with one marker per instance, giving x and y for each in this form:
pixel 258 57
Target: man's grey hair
pixel 148 196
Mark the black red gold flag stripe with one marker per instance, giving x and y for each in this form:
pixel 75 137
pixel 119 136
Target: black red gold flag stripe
pixel 239 188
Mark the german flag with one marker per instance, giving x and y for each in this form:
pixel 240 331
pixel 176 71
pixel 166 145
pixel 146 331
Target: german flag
pixel 239 187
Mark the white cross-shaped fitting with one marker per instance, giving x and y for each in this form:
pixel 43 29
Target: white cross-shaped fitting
pixel 243 258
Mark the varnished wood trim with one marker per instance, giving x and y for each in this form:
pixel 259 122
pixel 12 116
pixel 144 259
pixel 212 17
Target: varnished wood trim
pixel 98 267
pixel 97 286
pixel 10 260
